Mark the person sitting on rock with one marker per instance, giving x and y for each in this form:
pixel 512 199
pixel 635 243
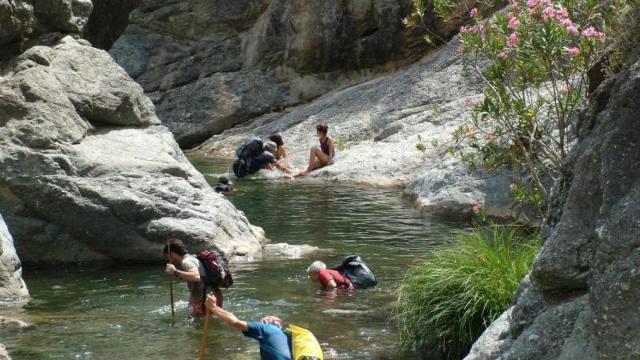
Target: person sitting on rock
pixel 187 267
pixel 281 152
pixel 328 278
pixel 224 186
pixel 319 156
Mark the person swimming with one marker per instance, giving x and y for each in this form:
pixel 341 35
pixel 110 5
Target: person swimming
pixel 319 156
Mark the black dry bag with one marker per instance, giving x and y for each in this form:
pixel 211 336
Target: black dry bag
pixel 359 273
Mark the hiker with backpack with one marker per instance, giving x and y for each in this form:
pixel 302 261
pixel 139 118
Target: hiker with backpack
pixel 352 273
pixel 204 274
pixel 277 341
pixel 254 155
pixel 319 156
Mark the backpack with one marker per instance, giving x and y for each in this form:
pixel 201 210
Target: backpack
pixel 250 149
pixel 304 345
pixel 240 168
pixel 217 270
pixel 359 273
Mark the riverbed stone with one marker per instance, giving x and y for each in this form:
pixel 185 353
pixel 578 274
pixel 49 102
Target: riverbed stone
pixel 13 290
pixel 284 250
pixel 4 355
pixel 7 323
pixel 210 65
pixel 587 274
pixel 87 173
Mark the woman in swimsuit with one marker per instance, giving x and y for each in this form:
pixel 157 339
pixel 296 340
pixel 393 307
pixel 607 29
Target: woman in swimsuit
pixel 322 155
pixel 281 152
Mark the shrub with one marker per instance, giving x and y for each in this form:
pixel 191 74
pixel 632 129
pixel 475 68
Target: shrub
pixel 446 302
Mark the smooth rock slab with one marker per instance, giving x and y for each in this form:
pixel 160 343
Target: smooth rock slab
pixel 13 290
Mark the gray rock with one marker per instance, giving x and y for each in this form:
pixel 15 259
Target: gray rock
pixel 88 174
pixel 16 20
pixel 209 65
pixel 585 283
pixel 284 250
pixel 4 355
pixel 109 19
pixel 65 16
pixel 377 125
pixel 13 324
pixel 13 290
pixel 493 341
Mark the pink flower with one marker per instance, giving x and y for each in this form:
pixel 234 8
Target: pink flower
pixel 513 40
pixel 548 12
pixel 513 23
pixel 574 51
pixel 465 29
pixel 513 187
pixel 469 101
pixel 531 4
pixel 474 12
pixel 572 30
pixel 591 32
pixel 502 55
pixel 476 209
pixel 562 14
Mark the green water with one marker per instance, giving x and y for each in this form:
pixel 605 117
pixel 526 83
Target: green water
pixel 108 313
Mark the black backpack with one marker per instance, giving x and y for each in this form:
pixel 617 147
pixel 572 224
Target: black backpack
pixel 240 168
pixel 359 273
pixel 217 270
pixel 250 149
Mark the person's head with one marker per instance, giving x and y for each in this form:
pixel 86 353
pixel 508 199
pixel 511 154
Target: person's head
pixel 273 320
pixel 271 147
pixel 175 250
pixel 224 180
pixel 276 138
pixel 314 270
pixel 322 130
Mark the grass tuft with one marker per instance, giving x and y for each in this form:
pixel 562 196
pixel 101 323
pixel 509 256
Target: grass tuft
pixel 445 303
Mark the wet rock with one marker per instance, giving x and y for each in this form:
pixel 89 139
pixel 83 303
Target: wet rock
pixel 210 65
pixel 377 126
pixel 284 250
pixel 88 174
pixel 4 355
pixel 13 290
pixel 13 324
pixel 585 283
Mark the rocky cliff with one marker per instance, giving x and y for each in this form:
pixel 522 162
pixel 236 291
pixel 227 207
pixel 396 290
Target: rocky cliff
pixel 87 173
pixel 210 65
pixel 581 299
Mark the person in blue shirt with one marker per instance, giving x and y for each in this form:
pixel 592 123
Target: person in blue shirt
pixel 275 344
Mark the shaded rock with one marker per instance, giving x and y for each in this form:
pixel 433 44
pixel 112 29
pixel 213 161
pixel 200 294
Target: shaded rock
pixel 13 290
pixel 587 275
pixel 88 174
pixel 210 65
pixel 109 19
pixel 16 21
pixel 376 126
pixel 65 16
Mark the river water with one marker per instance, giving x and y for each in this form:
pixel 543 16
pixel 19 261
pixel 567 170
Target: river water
pixel 123 312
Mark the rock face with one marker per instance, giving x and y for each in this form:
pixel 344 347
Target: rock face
pixel 210 65
pixel 13 290
pixel 377 126
pixel 3 353
pixel 109 19
pixel 581 302
pixel 87 173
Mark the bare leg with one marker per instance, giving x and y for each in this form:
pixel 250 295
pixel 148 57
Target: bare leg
pixel 317 159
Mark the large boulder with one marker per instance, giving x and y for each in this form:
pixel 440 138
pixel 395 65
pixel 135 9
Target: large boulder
pixel 16 21
pixel 587 275
pixel 13 290
pixel 87 173
pixel 377 126
pixel 210 65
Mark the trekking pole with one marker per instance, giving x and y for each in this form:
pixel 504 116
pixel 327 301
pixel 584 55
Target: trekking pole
pixel 205 331
pixel 173 307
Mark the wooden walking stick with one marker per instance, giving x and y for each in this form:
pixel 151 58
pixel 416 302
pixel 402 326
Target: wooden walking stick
pixel 205 332
pixel 173 307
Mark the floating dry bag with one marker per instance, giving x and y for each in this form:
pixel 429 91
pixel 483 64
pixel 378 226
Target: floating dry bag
pixel 304 344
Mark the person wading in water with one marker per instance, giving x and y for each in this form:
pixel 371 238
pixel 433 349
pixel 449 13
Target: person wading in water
pixel 187 267
pixel 320 156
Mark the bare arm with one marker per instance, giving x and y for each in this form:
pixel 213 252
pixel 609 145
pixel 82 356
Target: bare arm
pixel 224 315
pixel 190 276
pixel 282 167
pixel 332 150
pixel 331 284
